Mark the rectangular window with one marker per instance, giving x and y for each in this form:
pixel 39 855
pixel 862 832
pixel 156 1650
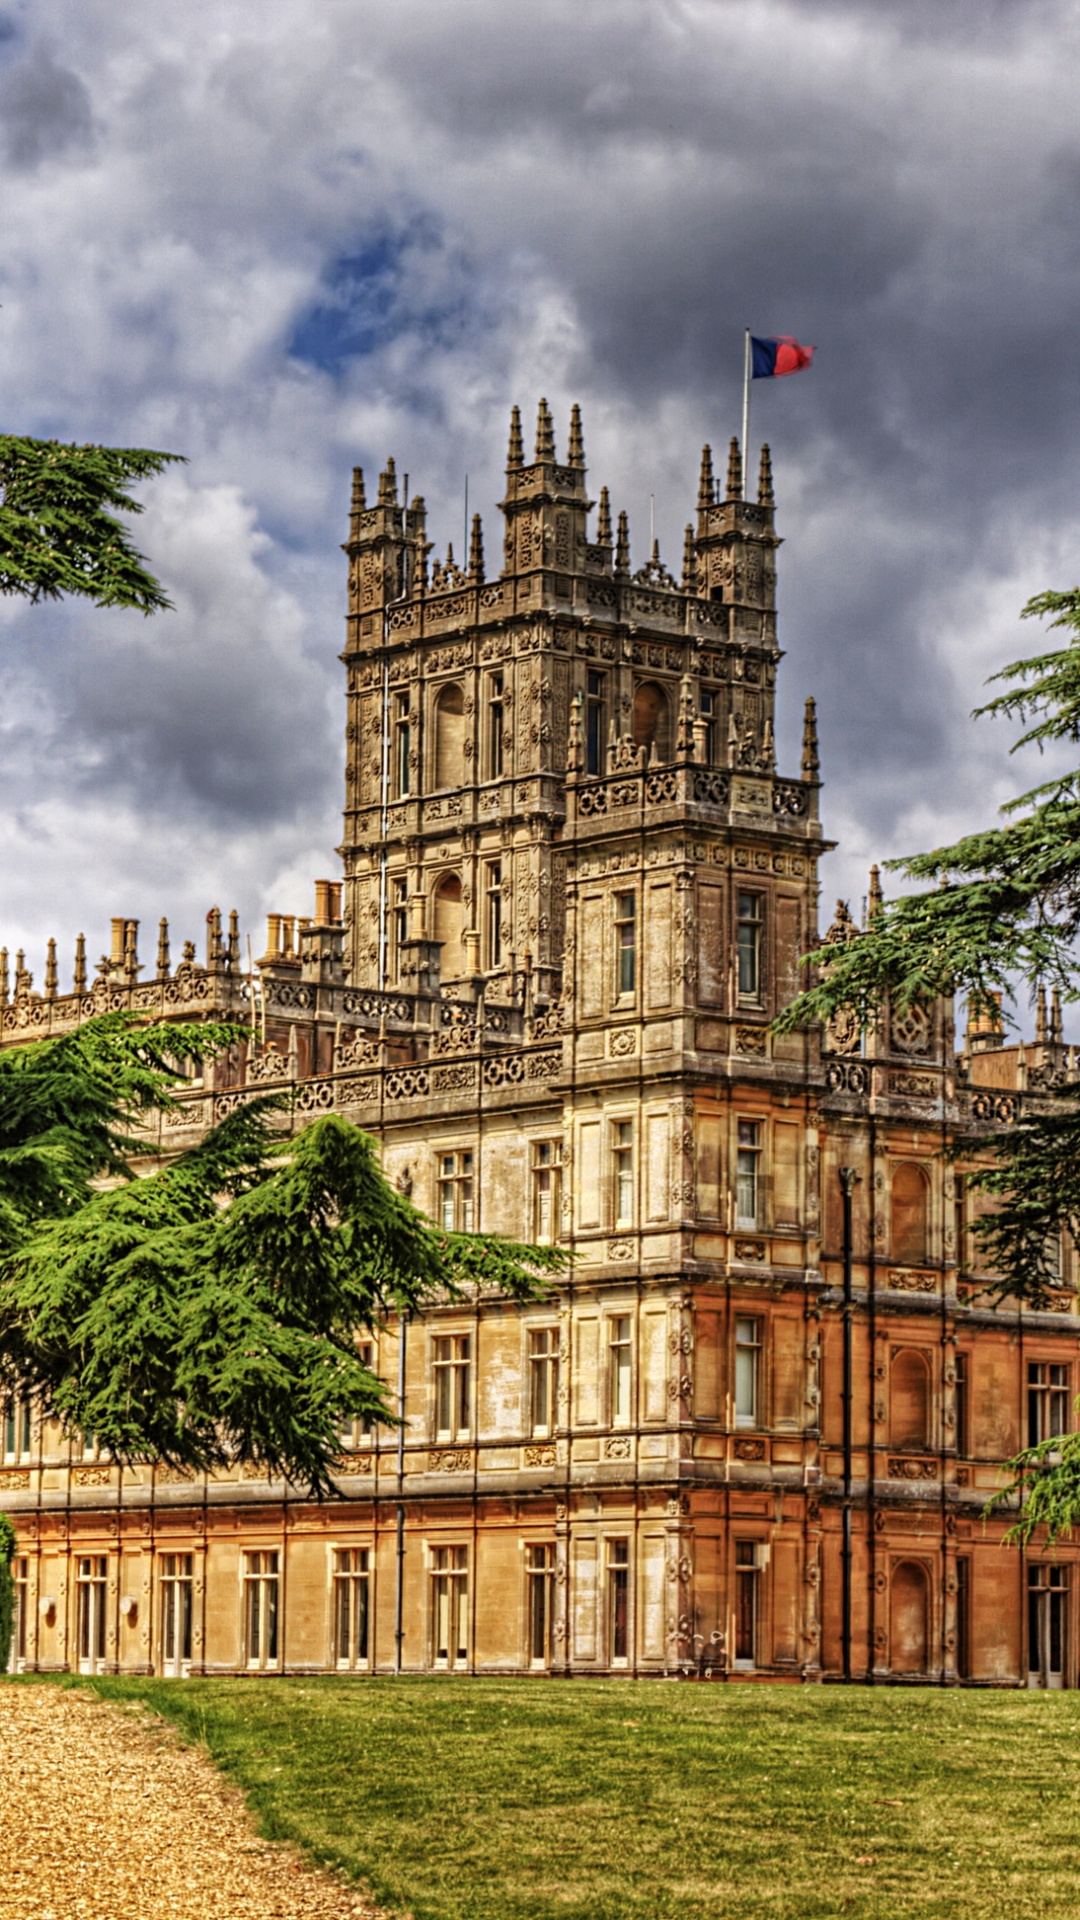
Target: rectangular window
pixel 747 1175
pixel 402 740
pixel 358 1433
pixel 622 1170
pixel 747 1371
pixel 1048 1401
pixel 453 1383
pixel 707 709
pixel 618 1608
pixel 748 944
pixel 620 1365
pixel 594 723
pixel 399 924
pixel 456 1209
pixel 963 1616
pixel 493 914
pixel 496 751
pixel 449 1606
pixel 16 1431
pixel 746 1602
pixel 960 1403
pixel 543 1379
pixel 90 1611
pixel 262 1576
pixel 540 1602
pixel 352 1607
pixel 1047 1596
pixel 177 1572
pixel 20 1577
pixel 625 943
pixel 546 1190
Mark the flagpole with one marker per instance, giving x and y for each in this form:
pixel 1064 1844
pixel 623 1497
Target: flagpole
pixel 746 413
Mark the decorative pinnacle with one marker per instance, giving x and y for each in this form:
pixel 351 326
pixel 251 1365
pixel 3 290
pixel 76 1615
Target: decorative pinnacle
pixel 358 504
pixel 764 479
pixel 163 950
pixel 1056 1031
pixel 706 493
pixel 875 897
pixel 603 520
pixel 233 955
pixel 80 963
pixel 734 471
pixel 215 946
pixel 689 561
pixel 545 432
pixel 388 485
pixel 575 456
pixel 3 976
pixel 50 971
pixel 622 546
pixel 131 954
pixel 1040 1018
pixel 811 765
pixel 515 457
pixel 684 735
pixel 575 738
pixel 476 552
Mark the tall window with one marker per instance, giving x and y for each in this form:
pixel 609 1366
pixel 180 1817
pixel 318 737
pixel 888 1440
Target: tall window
pixel 622 1167
pixel 594 723
pixel 625 942
pixel 15 1433
pixel 262 1577
pixel 909 1400
pixel 747 1174
pixel 20 1575
pixel 910 1215
pixel 453 1384
pixel 446 904
pixel 961 1407
pixel 402 740
pixel 496 714
pixel 963 1616
pixel 449 755
pixel 540 1578
pixel 359 1433
pixel 449 1606
pixel 543 1378
pixel 618 1601
pixel 1047 1596
pixel 1048 1401
pixel 707 710
pixel 456 1208
pixel 352 1607
pixel 747 1574
pixel 399 924
pixel 90 1611
pixel 748 927
pixel 546 1190
pixel 493 913
pixel 620 1364
pixel 747 1371
pixel 177 1571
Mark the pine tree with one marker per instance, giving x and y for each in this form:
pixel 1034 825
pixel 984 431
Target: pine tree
pixel 59 533
pixel 998 913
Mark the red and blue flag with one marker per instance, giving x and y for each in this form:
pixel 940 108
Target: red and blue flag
pixel 771 358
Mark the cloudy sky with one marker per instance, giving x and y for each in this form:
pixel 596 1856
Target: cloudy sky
pixel 284 238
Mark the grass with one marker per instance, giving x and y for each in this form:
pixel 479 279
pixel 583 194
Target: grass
pixel 532 1800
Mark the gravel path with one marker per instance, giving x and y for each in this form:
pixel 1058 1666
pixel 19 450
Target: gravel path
pixel 105 1816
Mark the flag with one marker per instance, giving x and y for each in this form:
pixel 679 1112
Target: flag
pixel 777 356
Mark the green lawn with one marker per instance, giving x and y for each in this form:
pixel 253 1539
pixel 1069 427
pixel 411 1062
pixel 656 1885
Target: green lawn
pixel 582 1800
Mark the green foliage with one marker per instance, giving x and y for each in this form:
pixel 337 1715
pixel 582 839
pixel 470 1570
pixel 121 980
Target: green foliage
pixel 1044 1489
pixel 7 1590
pixel 210 1310
pixel 58 527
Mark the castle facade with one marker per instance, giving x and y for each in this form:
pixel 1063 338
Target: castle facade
pixel 752 1434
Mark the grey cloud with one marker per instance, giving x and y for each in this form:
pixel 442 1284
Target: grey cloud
pixel 44 110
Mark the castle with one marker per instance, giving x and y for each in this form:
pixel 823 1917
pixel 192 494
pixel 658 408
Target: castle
pixel 753 1433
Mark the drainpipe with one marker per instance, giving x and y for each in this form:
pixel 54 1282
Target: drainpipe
pixel 848 1181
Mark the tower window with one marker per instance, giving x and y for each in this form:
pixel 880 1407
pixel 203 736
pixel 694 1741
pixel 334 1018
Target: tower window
pixel 707 710
pixel 594 723
pixel 399 923
pixel 747 1175
pixel 625 943
pixel 748 944
pixel 402 740
pixel 622 1155
pixel 493 918
pixel 495 728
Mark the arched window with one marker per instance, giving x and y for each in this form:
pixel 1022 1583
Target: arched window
pixel 449 768
pixel 447 923
pixel 910 1215
pixel 909 1400
pixel 909 1635
pixel 651 721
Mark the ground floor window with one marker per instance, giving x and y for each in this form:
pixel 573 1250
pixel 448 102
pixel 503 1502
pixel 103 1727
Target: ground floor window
pixel 1047 1593
pixel 449 1606
pixel 20 1577
pixel 746 1603
pixel 618 1601
pixel 176 1587
pixel 540 1576
pixel 352 1606
pixel 90 1611
pixel 963 1617
pixel 262 1581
